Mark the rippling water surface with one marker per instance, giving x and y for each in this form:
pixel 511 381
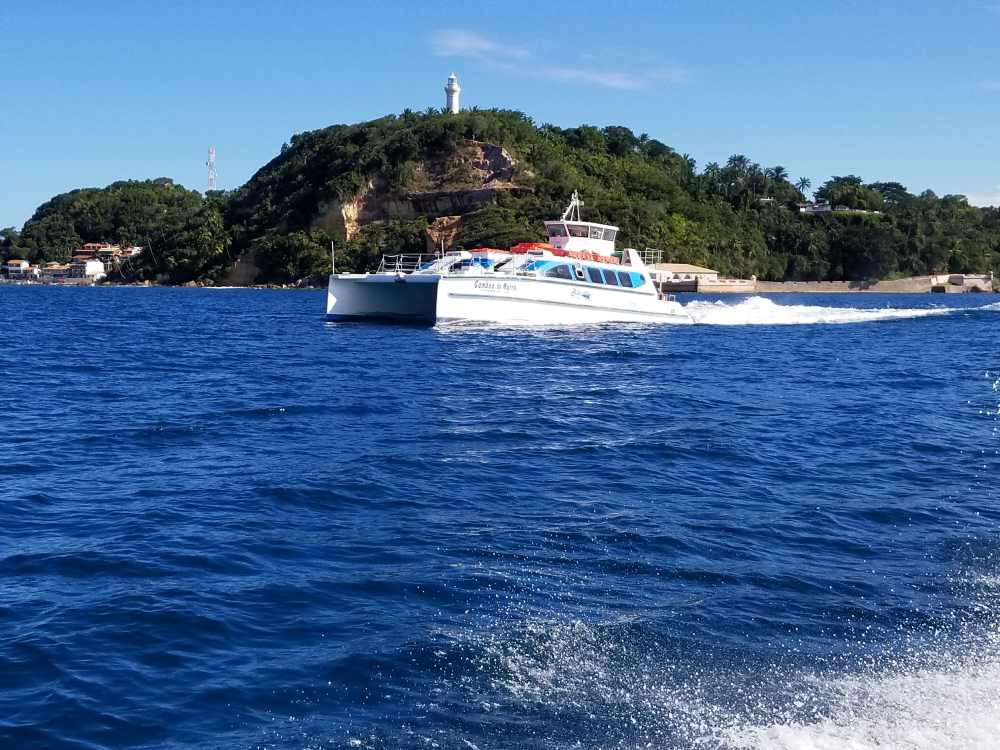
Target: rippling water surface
pixel 226 523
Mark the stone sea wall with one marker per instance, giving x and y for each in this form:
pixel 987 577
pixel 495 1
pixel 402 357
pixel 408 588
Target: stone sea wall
pixel 911 285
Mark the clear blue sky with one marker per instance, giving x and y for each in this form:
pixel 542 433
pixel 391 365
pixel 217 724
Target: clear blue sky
pixel 99 91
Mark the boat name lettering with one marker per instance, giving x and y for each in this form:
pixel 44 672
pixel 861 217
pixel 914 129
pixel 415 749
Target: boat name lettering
pixel 495 286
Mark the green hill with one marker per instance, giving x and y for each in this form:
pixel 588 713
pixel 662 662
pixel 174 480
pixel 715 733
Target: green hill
pixel 183 233
pixel 418 180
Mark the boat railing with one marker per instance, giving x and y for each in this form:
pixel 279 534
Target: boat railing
pixel 651 256
pixel 408 262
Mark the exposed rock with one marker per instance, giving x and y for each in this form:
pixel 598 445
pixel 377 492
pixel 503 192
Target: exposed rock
pixel 244 271
pixel 457 202
pixel 494 165
pixel 469 178
pixel 442 232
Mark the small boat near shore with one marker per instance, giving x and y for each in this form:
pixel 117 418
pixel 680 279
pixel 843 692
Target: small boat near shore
pixel 576 277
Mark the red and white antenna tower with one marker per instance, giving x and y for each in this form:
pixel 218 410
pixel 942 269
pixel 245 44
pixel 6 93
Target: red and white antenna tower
pixel 211 168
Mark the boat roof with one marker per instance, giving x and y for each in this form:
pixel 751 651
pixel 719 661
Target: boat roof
pixel 585 223
pixel 682 268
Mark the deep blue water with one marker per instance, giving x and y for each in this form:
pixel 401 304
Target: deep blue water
pixel 227 523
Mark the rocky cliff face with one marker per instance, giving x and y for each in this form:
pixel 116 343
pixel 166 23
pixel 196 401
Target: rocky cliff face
pixel 442 232
pixel 450 186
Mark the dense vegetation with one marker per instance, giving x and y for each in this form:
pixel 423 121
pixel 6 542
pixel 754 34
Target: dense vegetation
pixel 737 217
pixel 183 233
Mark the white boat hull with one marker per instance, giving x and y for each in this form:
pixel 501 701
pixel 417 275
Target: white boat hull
pixel 385 296
pixel 493 298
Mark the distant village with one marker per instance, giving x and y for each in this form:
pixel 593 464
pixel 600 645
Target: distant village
pixel 89 264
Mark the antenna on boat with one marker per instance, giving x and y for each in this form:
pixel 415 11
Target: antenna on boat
pixel 572 212
pixel 333 258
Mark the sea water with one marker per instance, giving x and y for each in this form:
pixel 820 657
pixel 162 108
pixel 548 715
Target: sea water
pixel 227 523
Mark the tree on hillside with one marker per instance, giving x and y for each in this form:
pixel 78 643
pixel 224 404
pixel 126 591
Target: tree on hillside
pixel 777 173
pixel 739 163
pixel 587 138
pixel 496 227
pixel 892 192
pixel 867 251
pixel 620 140
pixel 286 258
pixel 8 239
pixel 849 191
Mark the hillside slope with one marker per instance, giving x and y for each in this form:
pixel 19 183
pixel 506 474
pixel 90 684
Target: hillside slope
pixel 419 180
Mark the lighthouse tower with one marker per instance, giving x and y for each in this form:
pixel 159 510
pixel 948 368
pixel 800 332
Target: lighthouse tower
pixel 452 90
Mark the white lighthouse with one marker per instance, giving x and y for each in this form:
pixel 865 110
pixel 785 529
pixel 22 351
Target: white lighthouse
pixel 452 90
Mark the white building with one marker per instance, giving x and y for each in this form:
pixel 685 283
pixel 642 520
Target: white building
pixel 820 207
pixel 87 269
pixel 452 90
pixel 15 268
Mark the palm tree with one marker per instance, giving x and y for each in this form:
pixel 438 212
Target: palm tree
pixel 803 184
pixel 710 176
pixel 779 173
pixel 739 162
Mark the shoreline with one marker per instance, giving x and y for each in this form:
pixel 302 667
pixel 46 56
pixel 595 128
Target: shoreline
pixel 917 285
pixel 771 290
pixel 956 283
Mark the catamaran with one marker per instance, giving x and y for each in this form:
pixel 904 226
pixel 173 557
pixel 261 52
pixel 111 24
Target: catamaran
pixel 576 277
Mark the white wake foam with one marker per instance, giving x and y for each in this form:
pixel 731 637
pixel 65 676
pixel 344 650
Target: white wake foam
pixel 956 707
pixel 929 698
pixel 763 311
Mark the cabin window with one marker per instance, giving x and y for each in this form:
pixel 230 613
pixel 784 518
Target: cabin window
pixel 596 233
pixel 638 279
pixel 595 275
pixel 560 271
pixel 556 230
pixel 610 234
pixel 610 277
pixel 625 278
pixel 578 230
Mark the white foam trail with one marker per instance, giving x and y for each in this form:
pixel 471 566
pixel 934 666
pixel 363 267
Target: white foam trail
pixel 930 698
pixel 763 311
pixel 955 708
pixel 940 694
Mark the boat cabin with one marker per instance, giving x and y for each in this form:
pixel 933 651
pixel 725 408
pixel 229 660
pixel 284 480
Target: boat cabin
pixel 571 234
pixel 582 236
